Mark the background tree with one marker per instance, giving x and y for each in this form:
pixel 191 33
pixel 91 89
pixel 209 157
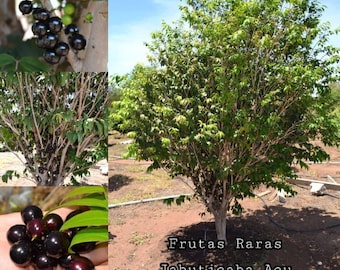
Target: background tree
pixel 336 97
pixel 234 95
pixel 56 120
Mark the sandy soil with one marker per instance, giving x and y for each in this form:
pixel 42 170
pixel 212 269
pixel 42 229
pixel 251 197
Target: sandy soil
pixel 9 161
pixel 306 227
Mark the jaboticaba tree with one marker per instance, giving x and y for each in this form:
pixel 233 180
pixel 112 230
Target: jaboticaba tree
pixel 234 94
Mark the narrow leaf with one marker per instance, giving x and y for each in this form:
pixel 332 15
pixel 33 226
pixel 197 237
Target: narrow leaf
pixel 90 235
pixel 88 218
pixel 102 203
pixel 84 190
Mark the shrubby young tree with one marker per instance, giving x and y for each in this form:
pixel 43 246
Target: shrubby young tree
pixel 56 120
pixel 235 93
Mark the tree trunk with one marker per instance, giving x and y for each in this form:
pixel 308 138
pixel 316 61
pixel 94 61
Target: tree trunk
pixel 220 216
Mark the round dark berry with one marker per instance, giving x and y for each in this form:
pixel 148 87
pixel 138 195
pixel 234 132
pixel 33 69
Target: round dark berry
pixel 66 259
pixel 77 42
pixel 51 56
pixel 62 49
pixel 44 262
pixel 70 233
pixel 26 7
pixel 50 40
pixel 38 246
pixel 53 221
pixel 39 41
pixel 39 29
pixel 56 244
pixel 40 14
pixel 84 247
pixel 37 228
pixel 31 212
pixel 55 25
pixel 71 29
pixel 21 253
pixel 80 263
pixel 16 233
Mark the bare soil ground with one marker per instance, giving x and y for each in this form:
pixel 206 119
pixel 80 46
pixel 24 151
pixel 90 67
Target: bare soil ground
pixel 307 225
pixel 9 161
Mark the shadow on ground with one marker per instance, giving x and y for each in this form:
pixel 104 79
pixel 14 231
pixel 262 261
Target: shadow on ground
pixel 117 181
pixel 305 245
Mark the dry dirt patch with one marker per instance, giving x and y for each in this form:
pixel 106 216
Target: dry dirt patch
pixel 9 161
pixel 140 232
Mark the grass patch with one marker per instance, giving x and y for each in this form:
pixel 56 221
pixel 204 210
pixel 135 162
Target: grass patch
pixel 135 169
pixel 138 239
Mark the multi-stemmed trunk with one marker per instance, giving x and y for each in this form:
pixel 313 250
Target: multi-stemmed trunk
pixel 220 216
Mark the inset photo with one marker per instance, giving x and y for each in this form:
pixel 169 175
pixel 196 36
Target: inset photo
pixel 54 228
pixel 53 129
pixel 52 35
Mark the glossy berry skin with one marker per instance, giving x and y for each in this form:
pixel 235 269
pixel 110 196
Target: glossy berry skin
pixel 39 41
pixel 51 56
pixel 56 244
pixel 77 42
pixel 37 246
pixel 37 228
pixel 40 14
pixel 54 24
pixel 21 253
pixel 31 212
pixel 71 29
pixel 53 221
pixel 39 28
pixel 26 7
pixel 66 259
pixel 62 49
pixel 80 263
pixel 84 247
pixel 50 40
pixel 44 262
pixel 16 233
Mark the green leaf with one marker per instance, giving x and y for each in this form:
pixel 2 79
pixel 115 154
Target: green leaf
pixel 71 136
pixel 84 190
pixel 4 178
pixel 6 59
pixel 89 235
pixel 31 64
pixel 8 175
pixel 87 218
pixel 90 202
pixel 100 127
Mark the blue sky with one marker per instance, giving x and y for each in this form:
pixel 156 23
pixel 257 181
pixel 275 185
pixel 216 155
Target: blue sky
pixel 132 21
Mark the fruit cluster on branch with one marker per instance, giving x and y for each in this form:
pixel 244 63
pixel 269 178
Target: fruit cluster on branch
pixel 47 28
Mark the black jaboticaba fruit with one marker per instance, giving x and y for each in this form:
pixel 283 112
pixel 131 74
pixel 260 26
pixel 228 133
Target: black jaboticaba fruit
pixel 56 244
pixel 21 253
pixel 26 7
pixel 16 233
pixel 31 212
pixel 53 221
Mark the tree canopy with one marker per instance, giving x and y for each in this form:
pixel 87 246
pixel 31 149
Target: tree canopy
pixel 234 95
pixel 56 120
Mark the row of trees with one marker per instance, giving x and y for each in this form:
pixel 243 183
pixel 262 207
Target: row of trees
pixel 234 94
pixel 56 121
